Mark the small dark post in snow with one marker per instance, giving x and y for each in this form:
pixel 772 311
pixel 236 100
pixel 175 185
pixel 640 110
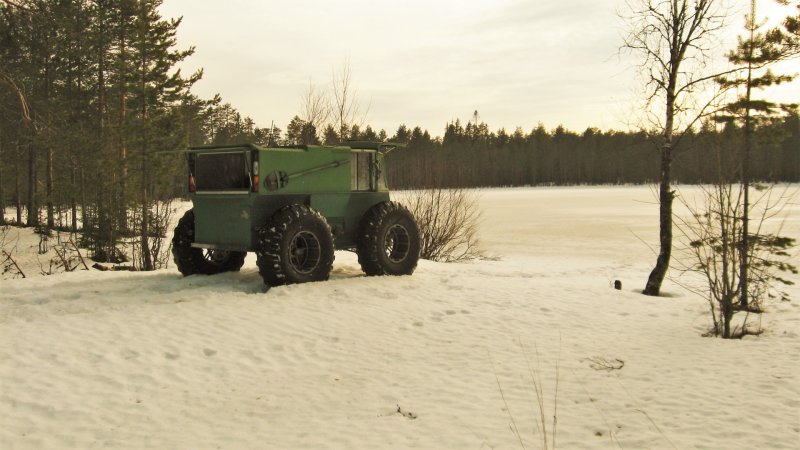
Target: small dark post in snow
pixel 617 285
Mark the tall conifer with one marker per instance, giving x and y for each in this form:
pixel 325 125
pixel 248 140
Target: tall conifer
pixel 754 54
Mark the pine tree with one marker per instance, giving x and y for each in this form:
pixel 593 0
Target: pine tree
pixel 158 90
pixel 295 131
pixel 788 35
pixel 754 54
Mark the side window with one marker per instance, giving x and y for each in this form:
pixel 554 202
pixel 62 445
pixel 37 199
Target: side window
pixel 361 172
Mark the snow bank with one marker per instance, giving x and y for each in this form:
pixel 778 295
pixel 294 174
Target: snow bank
pixel 442 359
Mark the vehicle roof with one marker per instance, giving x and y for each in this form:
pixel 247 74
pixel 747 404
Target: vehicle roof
pixel 344 146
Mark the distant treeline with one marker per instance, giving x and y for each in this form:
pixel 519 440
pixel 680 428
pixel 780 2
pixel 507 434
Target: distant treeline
pixel 472 156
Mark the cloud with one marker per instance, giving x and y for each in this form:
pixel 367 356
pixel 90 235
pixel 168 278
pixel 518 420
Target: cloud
pixel 417 62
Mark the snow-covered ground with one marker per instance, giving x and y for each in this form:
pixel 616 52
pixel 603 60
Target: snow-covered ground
pixel 447 358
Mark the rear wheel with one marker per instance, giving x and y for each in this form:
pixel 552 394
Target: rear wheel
pixel 295 246
pixel 191 260
pixel 387 242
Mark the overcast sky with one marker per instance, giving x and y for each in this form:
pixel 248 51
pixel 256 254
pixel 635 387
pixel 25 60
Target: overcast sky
pixel 420 62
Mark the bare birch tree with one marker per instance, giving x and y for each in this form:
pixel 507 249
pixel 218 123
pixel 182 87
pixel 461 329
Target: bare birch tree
pixel 346 108
pixel 673 39
pixel 316 110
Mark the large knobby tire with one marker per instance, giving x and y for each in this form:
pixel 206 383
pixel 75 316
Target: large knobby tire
pixel 295 246
pixel 192 260
pixel 387 241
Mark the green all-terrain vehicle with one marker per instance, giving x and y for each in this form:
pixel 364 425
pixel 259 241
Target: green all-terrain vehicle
pixel 292 206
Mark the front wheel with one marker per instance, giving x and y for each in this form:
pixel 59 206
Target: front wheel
pixel 191 260
pixel 387 241
pixel 295 246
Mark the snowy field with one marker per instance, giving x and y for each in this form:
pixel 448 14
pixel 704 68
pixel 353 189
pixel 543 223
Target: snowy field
pixel 447 358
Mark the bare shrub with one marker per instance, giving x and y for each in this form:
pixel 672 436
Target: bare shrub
pixel 8 246
pixel 159 220
pixel 713 237
pixel 67 257
pixel 448 223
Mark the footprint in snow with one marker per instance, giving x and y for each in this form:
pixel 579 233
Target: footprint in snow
pixel 388 295
pixel 129 354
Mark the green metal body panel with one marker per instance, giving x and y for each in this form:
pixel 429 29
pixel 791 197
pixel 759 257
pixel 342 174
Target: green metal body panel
pixel 318 176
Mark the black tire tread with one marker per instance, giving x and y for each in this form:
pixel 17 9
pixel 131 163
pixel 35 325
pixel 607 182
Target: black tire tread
pixel 273 265
pixel 190 260
pixel 369 240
